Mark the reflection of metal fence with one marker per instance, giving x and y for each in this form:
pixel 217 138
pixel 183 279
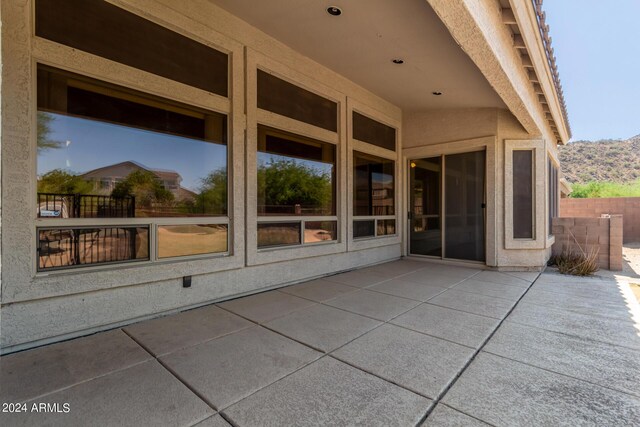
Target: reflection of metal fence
pixel 54 205
pixel 60 248
pixel 294 210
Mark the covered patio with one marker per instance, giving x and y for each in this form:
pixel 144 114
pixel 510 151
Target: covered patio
pixel 399 343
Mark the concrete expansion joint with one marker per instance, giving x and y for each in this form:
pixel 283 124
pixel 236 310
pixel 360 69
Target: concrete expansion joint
pixel 451 383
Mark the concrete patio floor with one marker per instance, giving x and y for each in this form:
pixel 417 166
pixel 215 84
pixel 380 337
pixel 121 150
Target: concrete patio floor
pixel 402 343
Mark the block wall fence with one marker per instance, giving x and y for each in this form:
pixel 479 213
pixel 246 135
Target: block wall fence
pixel 628 207
pixel 603 234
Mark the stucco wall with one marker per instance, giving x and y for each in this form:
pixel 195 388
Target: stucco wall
pixel 448 125
pixel 586 235
pixel 38 308
pixel 628 207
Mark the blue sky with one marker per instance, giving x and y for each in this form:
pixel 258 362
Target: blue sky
pixel 597 46
pixel 89 144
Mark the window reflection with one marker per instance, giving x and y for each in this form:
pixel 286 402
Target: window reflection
pixel 386 227
pixel 76 247
pixel 278 234
pixel 191 239
pixel 320 231
pixel 106 151
pixel 364 229
pixel 296 176
pixel 373 182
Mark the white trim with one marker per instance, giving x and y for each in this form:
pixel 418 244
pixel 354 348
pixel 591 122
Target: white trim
pixel 360 243
pixel 539 192
pixel 92 278
pixel 489 145
pixel 255 117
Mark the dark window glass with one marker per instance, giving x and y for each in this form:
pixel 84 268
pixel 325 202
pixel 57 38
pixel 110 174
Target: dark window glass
pixel 286 99
pixel 386 227
pixel 278 234
pixel 373 132
pixel 553 193
pixel 523 194
pixel 373 185
pixel 426 206
pixel 109 152
pixel 61 248
pixel 296 175
pixel 364 228
pixel 464 236
pixel 108 31
pixel 320 231
pixel 191 239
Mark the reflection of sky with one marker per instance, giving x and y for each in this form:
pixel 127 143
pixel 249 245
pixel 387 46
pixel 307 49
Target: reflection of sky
pixel 382 177
pixel 89 145
pixel 319 167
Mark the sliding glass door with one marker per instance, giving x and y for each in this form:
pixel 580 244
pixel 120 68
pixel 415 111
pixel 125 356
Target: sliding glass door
pixel 447 206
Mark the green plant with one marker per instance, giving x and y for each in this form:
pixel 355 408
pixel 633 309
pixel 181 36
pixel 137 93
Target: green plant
pixel 62 182
pixel 596 189
pixel 146 188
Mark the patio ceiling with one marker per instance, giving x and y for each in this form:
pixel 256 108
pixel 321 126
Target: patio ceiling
pixel 361 43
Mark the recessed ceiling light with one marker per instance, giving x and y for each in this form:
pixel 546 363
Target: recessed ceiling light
pixel 436 93
pixel 397 61
pixel 334 11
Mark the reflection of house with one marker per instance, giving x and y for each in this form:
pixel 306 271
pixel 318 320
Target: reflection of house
pixel 106 178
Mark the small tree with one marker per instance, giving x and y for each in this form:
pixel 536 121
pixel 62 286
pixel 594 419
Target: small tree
pixel 44 131
pixel 145 187
pixel 213 194
pixel 59 181
pixel 289 183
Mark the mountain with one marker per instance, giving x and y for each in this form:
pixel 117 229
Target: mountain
pixel 604 160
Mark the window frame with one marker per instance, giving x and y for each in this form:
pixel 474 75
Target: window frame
pixel 91 277
pixel 374 218
pixel 151 222
pixel 538 241
pixel 296 219
pixel 257 117
pixel 552 162
pixel 356 145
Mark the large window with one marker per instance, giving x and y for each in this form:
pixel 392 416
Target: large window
pixel 108 152
pixel 296 189
pixel 373 196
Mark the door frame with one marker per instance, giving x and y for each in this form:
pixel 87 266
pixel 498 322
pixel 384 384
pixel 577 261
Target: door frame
pixel 489 145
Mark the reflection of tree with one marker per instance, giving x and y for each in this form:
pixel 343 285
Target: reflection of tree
pixel 145 187
pixel 60 182
pixel 213 194
pixel 288 183
pixel 44 131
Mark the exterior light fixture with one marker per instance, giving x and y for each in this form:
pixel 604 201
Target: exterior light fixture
pixel 413 165
pixel 334 11
pixel 397 61
pixel 436 93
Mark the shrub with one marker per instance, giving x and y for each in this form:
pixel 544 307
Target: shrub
pixel 576 263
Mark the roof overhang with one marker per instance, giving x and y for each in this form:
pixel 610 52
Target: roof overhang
pixel 538 57
pixel 361 43
pixel 504 40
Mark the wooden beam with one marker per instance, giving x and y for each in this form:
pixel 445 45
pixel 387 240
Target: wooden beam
pixel 518 42
pixel 508 18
